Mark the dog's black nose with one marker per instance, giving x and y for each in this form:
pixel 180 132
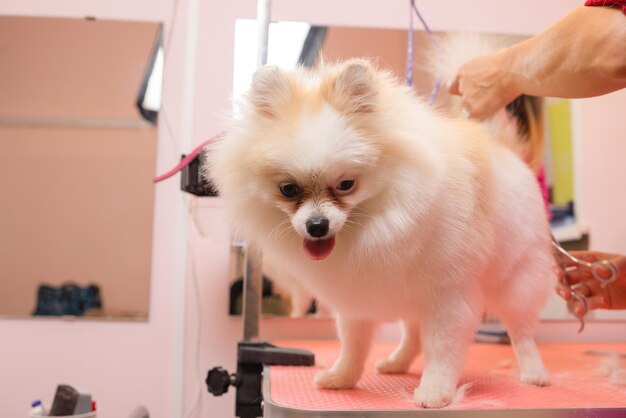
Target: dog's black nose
pixel 317 227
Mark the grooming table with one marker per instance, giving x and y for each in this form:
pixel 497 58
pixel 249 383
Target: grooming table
pixel 582 386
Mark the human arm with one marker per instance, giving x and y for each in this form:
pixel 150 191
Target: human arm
pixel 611 296
pixel 581 55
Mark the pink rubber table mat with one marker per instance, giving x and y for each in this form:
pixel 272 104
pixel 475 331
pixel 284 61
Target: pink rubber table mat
pixel 582 379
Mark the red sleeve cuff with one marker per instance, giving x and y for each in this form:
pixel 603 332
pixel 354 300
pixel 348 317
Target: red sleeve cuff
pixel 605 3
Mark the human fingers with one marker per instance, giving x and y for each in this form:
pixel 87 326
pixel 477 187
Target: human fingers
pixel 480 102
pixel 579 302
pixel 596 302
pixel 590 256
pixel 481 113
pixel 604 271
pixel 593 256
pixel 576 274
pixel 620 263
pixel 474 107
pixel 563 291
pixel 453 86
pixel 579 307
pixel 581 289
pixel 558 272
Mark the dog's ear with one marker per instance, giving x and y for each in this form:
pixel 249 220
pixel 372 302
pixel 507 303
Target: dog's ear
pixel 354 89
pixel 270 90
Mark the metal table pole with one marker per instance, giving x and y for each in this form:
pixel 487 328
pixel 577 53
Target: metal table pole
pixel 253 272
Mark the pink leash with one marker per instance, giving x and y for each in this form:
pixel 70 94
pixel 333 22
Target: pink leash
pixel 184 162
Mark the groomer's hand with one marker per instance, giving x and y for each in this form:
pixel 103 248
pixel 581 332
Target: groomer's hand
pixel 581 55
pixel 612 296
pixel 485 84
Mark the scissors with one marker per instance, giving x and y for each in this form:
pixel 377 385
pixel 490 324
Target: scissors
pixel 598 271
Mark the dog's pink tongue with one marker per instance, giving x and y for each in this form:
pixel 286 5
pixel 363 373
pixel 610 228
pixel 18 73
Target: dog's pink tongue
pixel 319 249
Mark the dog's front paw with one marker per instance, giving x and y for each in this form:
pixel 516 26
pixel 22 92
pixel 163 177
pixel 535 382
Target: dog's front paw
pixel 537 378
pixel 388 365
pixel 433 396
pixel 330 379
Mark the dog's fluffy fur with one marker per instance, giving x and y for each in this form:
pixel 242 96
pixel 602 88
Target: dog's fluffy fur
pixel 430 220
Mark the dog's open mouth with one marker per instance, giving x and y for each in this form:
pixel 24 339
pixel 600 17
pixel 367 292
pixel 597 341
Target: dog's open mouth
pixel 319 249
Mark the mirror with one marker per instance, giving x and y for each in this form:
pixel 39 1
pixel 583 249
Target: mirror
pixel 77 157
pixel 291 43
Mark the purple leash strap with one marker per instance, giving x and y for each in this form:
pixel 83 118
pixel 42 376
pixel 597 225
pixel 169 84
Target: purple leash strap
pixel 409 64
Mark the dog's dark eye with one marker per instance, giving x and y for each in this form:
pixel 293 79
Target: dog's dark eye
pixel 289 190
pixel 345 185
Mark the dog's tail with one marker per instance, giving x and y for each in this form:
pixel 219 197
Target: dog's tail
pixel 520 124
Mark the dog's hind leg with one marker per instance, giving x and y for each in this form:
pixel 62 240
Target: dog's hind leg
pixel 410 346
pixel 532 370
pixel 520 331
pixel 355 336
pixel 518 307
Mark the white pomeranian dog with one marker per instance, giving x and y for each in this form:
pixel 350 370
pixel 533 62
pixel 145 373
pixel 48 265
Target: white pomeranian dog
pixel 388 210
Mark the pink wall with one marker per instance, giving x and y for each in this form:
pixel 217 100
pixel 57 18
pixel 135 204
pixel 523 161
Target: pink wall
pixel 385 46
pixel 603 167
pixel 137 363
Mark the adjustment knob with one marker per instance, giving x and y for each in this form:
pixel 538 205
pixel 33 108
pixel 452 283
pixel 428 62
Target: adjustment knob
pixel 218 380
